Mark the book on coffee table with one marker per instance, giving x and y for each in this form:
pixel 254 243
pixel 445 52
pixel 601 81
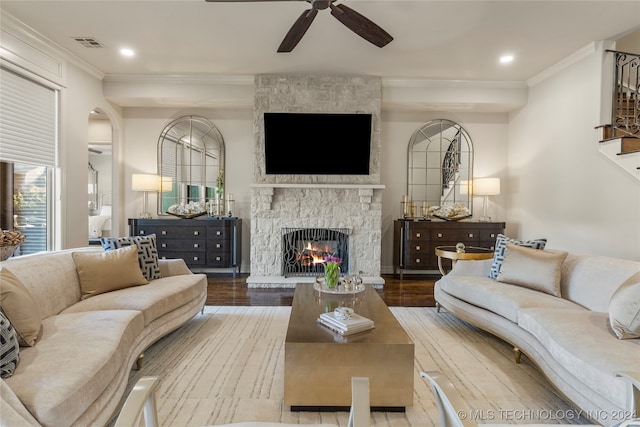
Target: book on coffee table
pixel 356 323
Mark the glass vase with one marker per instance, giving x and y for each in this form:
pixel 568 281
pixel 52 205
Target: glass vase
pixel 331 276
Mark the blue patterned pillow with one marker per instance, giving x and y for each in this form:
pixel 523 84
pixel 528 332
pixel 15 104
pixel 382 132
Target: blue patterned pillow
pixel 501 247
pixel 147 252
pixel 9 348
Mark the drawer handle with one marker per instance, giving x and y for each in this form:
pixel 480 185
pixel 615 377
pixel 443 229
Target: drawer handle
pixel 439 234
pixel 417 247
pixel 141 231
pixel 218 258
pixel 164 257
pixel 493 235
pixel 196 245
pixel 164 245
pixel 218 245
pixel 471 235
pixel 218 233
pixel 196 233
pixel 417 259
pixel 195 258
pixel 163 232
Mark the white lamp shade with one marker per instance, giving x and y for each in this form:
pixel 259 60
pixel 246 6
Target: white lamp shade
pixel 486 186
pixel 166 184
pixel 145 182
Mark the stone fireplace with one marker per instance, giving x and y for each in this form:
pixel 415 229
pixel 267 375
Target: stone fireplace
pixel 329 202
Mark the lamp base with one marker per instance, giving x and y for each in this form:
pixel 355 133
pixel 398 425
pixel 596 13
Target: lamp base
pixel 145 215
pixel 484 219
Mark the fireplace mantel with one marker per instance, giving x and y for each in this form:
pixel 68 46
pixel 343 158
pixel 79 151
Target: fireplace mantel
pixel 365 191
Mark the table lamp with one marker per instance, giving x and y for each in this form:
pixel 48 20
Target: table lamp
pixel 145 183
pixel 486 187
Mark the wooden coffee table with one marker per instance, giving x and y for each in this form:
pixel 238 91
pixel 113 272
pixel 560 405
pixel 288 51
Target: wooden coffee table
pixel 319 363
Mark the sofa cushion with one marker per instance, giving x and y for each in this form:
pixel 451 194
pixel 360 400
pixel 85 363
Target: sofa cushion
pixel 73 382
pixel 147 252
pixel 101 272
pixel 20 308
pixel 9 348
pixel 624 309
pixel 497 297
pixel 154 300
pixel 532 268
pixel 582 343
pixel 501 246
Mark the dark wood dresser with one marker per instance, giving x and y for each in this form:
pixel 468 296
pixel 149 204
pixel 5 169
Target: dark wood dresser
pixel 201 242
pixel 414 242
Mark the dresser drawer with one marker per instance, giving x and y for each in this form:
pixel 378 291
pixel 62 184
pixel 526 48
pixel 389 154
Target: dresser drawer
pixel 193 245
pixel 441 235
pixel 218 259
pixel 489 235
pixel 172 232
pixel 191 258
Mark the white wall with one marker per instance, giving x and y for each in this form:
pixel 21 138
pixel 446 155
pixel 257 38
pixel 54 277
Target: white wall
pixel 82 94
pixel 560 186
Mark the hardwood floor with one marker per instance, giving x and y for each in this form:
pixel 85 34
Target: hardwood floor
pixel 412 291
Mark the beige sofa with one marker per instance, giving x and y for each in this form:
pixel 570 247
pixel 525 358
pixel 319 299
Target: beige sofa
pixel 569 337
pixel 77 372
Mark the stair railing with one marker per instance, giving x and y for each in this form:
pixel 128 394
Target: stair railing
pixel 625 111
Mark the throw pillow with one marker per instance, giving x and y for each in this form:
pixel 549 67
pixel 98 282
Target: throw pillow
pixel 20 308
pixel 501 245
pixel 9 348
pixel 532 268
pixel 147 252
pixel 624 309
pixel 101 272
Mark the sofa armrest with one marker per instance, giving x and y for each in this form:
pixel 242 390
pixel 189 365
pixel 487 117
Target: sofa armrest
pixel 173 267
pixel 12 411
pixel 632 380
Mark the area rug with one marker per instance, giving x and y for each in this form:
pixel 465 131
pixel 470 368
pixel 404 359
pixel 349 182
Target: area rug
pixel 226 365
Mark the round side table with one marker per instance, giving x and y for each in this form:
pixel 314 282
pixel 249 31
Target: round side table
pixel 470 253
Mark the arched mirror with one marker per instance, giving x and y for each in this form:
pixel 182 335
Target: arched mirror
pixel 440 171
pixel 190 163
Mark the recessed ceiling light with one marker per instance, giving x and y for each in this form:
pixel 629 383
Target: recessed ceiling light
pixel 505 59
pixel 125 51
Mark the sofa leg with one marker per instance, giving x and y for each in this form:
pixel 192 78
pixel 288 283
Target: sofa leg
pixel 437 307
pixel 517 353
pixel 139 362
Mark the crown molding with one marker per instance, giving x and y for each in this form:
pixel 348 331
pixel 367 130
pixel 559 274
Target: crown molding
pixel 470 84
pixel 577 56
pixel 181 78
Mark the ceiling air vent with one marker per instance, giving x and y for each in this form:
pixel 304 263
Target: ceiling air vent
pixel 88 42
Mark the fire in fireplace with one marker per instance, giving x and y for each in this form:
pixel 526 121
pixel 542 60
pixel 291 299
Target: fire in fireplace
pixel 304 250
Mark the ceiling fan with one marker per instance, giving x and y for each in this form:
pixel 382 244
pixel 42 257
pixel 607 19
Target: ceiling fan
pixel 356 22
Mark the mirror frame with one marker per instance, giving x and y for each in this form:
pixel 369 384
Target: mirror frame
pixel 445 156
pixel 195 170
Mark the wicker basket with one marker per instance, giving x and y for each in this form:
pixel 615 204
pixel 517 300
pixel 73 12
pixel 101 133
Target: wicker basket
pixel 7 251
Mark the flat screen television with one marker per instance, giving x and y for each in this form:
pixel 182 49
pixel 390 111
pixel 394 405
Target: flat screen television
pixel 317 143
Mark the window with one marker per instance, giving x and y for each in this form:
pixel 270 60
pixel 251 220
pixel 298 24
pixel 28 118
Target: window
pixel 27 151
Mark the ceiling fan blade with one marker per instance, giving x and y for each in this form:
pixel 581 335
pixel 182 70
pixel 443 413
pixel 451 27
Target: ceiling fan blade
pixel 297 30
pixel 361 25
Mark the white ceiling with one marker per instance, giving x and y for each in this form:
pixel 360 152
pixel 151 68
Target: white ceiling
pixel 451 40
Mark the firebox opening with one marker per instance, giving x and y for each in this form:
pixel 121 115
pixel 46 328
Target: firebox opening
pixel 304 250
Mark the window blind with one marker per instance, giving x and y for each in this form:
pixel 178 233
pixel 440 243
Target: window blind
pixel 27 121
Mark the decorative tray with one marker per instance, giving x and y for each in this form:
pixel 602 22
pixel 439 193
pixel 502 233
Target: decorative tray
pixel 187 216
pixel 319 286
pixel 452 218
